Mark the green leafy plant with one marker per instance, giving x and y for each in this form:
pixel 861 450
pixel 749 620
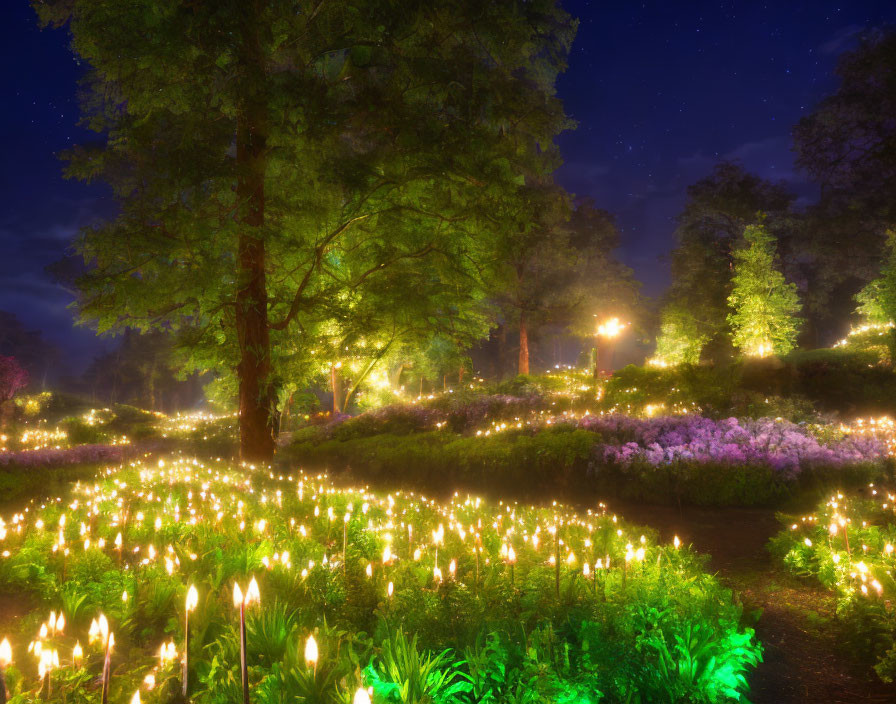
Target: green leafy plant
pixel 401 673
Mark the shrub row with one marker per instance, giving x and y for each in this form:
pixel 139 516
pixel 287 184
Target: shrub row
pixel 564 461
pixel 839 380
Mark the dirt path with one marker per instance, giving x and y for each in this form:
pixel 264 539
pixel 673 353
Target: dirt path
pixel 803 662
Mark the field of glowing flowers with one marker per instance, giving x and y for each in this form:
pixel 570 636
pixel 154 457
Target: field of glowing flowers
pixel 847 544
pixel 228 583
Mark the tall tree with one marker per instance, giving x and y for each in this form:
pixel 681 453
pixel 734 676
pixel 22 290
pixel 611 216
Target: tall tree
pixel 533 262
pixel 847 144
pixel 763 305
pixel 560 269
pixel 709 228
pixel 274 159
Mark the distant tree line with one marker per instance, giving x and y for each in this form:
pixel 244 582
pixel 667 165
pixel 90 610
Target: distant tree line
pixel 817 259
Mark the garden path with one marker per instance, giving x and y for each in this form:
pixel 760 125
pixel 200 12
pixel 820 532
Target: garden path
pixel 804 660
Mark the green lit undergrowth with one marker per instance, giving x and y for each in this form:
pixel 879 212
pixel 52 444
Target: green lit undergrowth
pixel 488 603
pixel 847 544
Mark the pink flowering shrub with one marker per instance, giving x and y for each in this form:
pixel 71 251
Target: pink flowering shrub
pixel 783 445
pixel 12 377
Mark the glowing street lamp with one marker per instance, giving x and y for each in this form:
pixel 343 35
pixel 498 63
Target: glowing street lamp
pixel 609 330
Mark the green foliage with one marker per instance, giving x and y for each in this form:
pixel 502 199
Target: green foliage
pixel 877 301
pixel 653 628
pixel 846 544
pixel 871 307
pixel 695 659
pixel 566 461
pixel 717 210
pixel 845 380
pixel 403 674
pixel 763 304
pixel 550 459
pixel 680 340
pixel 297 184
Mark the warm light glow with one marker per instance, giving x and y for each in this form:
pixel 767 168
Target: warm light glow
pixel 361 697
pixel 311 653
pixel 5 653
pixel 253 595
pixel 610 328
pixel 237 595
pixel 103 628
pixel 192 598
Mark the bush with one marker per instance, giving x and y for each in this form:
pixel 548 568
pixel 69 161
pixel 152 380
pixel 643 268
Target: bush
pixel 663 460
pixel 847 544
pixel 548 460
pixel 797 387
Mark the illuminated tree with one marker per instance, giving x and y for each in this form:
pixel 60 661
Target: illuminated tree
pixel 680 340
pixel 877 301
pixel 273 161
pixel 708 230
pixel 870 300
pixel 764 306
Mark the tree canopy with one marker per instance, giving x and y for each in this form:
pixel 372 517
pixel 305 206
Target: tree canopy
pixel 763 305
pixel 290 174
pixel 709 228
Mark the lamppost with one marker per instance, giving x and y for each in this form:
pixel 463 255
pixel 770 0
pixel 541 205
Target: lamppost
pixel 610 329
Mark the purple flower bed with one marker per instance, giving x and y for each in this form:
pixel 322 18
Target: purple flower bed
pixel 80 454
pixel 782 445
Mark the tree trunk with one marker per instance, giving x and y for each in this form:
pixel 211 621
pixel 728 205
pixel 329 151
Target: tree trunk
pixel 396 377
pixel 151 387
pixel 256 397
pixel 524 345
pixel 337 387
pixel 502 351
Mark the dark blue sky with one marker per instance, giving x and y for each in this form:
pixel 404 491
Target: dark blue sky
pixel 661 91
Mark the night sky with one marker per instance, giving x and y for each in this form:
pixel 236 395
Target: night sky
pixel 661 92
